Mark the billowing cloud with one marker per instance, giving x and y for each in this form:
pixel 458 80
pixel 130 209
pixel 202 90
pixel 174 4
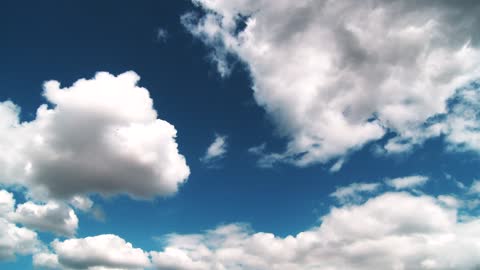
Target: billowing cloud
pixel 407 182
pixel 100 135
pixel 13 239
pixel 99 252
pixel 390 231
pixel 216 150
pixel 51 217
pixel 336 75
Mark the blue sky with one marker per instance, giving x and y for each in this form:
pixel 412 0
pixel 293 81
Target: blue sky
pixel 301 105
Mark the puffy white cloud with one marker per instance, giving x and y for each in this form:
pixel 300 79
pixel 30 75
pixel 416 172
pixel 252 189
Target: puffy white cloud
pixel 100 135
pixel 16 240
pixel 45 260
pixel 51 217
pixel 407 182
pixel 99 252
pixel 391 231
pixel 335 75
pixel 13 239
pixel 216 150
pixel 353 192
pixel 7 203
pixel 81 202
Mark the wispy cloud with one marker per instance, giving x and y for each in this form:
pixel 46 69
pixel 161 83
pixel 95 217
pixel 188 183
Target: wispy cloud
pixel 216 151
pixel 407 182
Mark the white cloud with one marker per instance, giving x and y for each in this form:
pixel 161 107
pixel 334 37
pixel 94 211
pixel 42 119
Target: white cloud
pixel 81 202
pixel 99 252
pixel 216 150
pixel 16 240
pixel 391 231
pixel 353 192
pixel 336 75
pixel 51 217
pixel 101 135
pixel 407 182
pixel 44 260
pixel 13 239
pixel 462 123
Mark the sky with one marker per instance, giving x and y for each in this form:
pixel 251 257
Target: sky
pixel 243 135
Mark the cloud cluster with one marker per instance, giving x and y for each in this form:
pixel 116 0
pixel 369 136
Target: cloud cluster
pixel 336 75
pixel 100 135
pixel 391 231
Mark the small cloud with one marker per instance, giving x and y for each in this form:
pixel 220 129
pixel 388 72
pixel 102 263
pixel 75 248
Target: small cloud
pixel 266 160
pixel 337 166
pixel 475 187
pixel 81 203
pixel 162 35
pixel 352 192
pixel 216 151
pixel 407 182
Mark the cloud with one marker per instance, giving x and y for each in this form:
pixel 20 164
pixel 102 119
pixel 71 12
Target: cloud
pixel 82 203
pixel 13 239
pixel 162 35
pixel 407 182
pixel 337 75
pixel 353 192
pixel 51 217
pixel 462 123
pixel 100 135
pixel 99 252
pixel 390 231
pixel 216 150
pixel 46 260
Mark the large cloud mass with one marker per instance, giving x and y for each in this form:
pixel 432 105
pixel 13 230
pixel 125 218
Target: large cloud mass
pixel 100 135
pixel 392 231
pixel 335 75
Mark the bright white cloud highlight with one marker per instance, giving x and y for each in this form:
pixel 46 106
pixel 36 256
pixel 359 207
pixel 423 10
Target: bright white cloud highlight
pixel 392 231
pixel 100 135
pixel 407 182
pixel 216 150
pixel 336 75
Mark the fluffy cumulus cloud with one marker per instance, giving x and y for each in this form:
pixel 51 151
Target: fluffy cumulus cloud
pixel 100 135
pixel 13 239
pixel 51 217
pixel 336 75
pixel 107 252
pixel 217 150
pixel 390 231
